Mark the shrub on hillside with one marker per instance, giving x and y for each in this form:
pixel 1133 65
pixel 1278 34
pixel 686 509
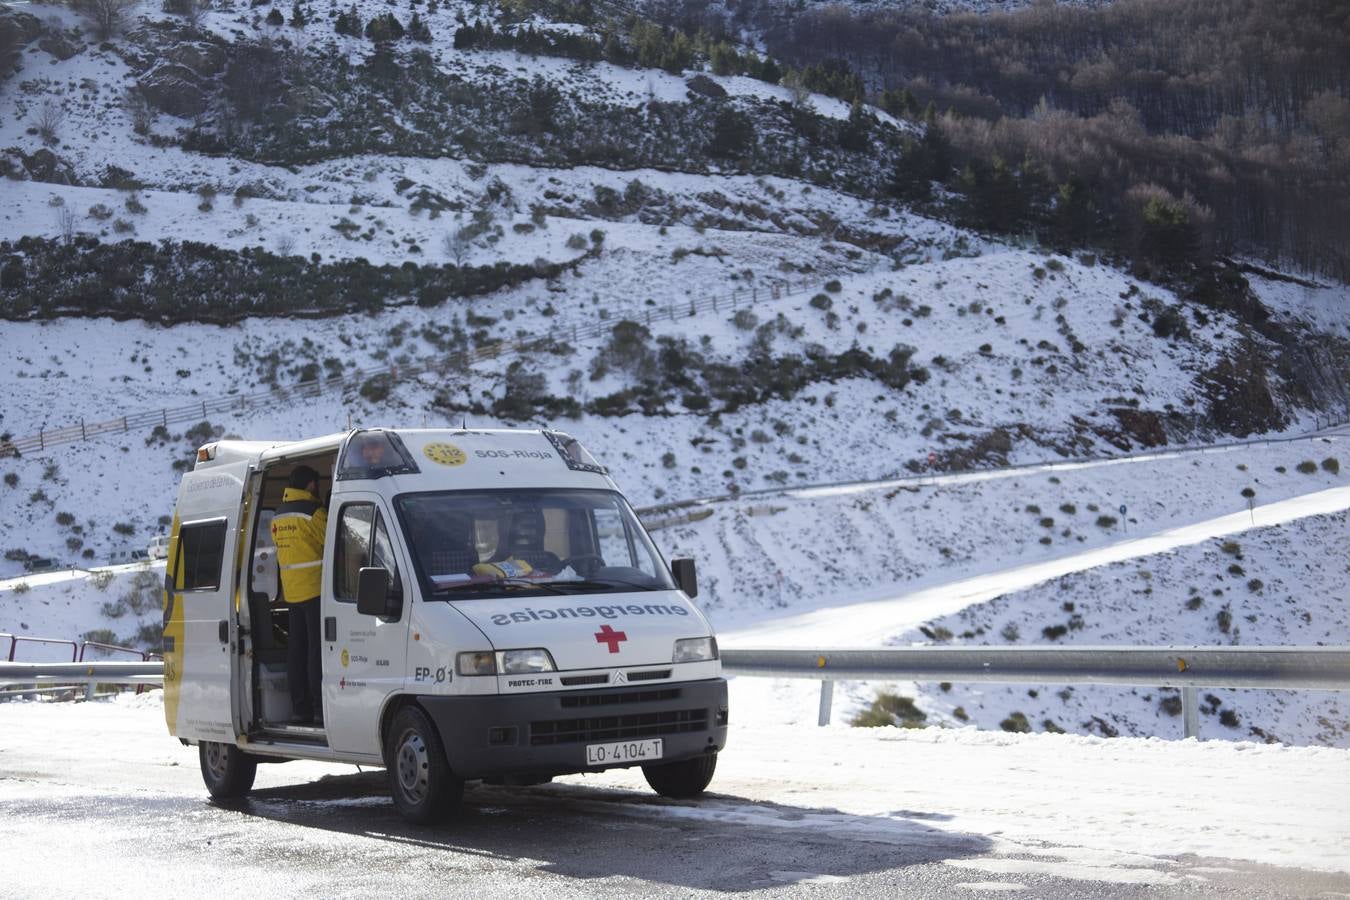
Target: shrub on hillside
pixel 191 282
pixel 376 389
pixel 891 709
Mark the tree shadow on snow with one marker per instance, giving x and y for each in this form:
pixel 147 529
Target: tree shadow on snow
pixel 718 842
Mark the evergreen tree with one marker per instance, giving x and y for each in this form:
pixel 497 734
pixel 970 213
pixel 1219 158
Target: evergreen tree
pixel 1074 218
pixel 724 59
pixel 384 29
pixel 349 22
pixel 733 135
pixel 910 181
pixel 854 133
pixel 994 196
pixel 418 30
pixel 297 16
pixel 275 18
pixel 769 71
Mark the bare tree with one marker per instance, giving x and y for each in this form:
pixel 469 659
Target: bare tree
pixel 801 94
pixel 191 10
pixel 105 18
pixel 194 10
pixel 457 244
pixel 49 119
pixel 65 224
pixel 138 109
pixel 286 245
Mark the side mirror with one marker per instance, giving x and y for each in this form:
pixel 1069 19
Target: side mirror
pixel 685 576
pixel 373 597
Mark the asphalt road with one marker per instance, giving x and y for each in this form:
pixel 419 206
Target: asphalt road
pixel 98 810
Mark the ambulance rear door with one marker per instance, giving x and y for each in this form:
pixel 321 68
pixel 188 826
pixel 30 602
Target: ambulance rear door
pixel 199 604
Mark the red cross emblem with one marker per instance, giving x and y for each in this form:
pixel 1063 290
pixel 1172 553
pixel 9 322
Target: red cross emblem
pixel 607 635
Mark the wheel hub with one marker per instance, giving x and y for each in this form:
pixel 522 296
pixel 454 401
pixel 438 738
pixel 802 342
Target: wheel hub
pixel 412 765
pixel 216 759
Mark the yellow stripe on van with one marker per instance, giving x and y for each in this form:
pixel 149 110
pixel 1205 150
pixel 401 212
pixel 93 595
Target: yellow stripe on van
pixel 173 630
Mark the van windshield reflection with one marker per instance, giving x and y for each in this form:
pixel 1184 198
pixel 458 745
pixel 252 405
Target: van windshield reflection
pixel 480 544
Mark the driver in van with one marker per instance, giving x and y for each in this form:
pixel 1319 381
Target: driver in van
pixel 525 540
pixel 298 528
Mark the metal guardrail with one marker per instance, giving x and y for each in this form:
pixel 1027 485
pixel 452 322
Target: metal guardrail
pixel 82 672
pixel 1187 668
pixel 46 678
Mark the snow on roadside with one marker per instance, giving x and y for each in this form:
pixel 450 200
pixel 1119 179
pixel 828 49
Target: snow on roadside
pixel 1119 811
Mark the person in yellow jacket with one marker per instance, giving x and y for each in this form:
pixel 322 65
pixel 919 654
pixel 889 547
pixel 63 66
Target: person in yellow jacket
pixel 298 528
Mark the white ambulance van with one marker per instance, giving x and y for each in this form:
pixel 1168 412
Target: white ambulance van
pixel 491 610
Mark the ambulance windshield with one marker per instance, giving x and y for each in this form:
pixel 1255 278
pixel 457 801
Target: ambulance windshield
pixel 475 544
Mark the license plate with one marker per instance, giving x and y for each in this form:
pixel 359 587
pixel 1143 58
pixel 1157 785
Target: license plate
pixel 623 752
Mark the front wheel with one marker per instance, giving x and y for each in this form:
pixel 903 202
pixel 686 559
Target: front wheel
pixel 425 791
pixel 684 779
pixel 227 770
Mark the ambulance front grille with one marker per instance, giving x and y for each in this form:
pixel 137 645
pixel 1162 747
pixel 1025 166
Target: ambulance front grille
pixel 653 675
pixel 574 680
pixel 655 695
pixel 618 728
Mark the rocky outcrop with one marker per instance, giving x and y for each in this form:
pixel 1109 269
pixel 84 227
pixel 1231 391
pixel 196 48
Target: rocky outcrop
pixel 1316 369
pixel 19 27
pixel 41 165
pixel 17 30
pixel 175 89
pixel 1138 428
pixel 60 45
pixel 204 58
pixel 1240 394
pixel 702 84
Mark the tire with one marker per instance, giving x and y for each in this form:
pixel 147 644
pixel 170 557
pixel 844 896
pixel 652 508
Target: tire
pixel 227 770
pixel 684 779
pixel 425 791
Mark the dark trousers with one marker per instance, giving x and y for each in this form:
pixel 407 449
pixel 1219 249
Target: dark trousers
pixel 303 669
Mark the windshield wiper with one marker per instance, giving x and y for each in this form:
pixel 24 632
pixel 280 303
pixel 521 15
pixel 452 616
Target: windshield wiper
pixel 606 583
pixel 489 585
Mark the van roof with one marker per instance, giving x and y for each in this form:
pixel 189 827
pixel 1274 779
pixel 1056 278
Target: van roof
pixel 235 451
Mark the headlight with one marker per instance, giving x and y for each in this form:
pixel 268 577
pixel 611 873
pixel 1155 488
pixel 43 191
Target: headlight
pixel 506 662
pixel 514 662
pixel 695 649
pixel 477 662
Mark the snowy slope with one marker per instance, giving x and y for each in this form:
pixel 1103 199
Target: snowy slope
pixel 1280 585
pixel 1006 353
pixel 999 376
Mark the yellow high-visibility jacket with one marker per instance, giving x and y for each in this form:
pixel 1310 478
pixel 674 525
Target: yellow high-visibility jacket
pixel 298 528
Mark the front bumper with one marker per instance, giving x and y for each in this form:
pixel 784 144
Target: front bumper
pixel 546 734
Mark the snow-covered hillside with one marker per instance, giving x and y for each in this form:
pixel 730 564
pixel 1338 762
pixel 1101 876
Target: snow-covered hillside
pixel 978 360
pixel 1282 585
pixel 343 203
